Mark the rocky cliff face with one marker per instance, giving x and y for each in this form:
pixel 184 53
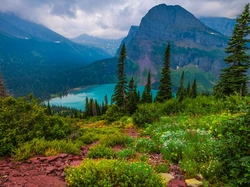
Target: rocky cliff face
pixel 220 24
pixel 191 41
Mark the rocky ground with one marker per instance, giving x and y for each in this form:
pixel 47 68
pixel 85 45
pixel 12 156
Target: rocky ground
pixel 43 171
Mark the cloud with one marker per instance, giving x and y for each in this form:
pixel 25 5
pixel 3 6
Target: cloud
pixel 108 18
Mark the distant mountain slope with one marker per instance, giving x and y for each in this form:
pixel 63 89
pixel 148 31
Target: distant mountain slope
pixel 32 56
pixel 192 44
pixel 221 24
pixel 109 45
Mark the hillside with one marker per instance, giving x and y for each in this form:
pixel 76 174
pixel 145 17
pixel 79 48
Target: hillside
pixel 32 56
pixel 108 45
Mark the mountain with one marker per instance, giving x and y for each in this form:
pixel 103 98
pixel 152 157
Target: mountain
pixel 108 45
pixel 192 44
pixel 32 56
pixel 221 24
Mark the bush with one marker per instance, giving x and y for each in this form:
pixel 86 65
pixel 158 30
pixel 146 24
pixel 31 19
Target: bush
pixel 145 145
pixel 100 151
pixel 116 138
pixel 23 119
pixel 46 148
pixel 146 114
pixel 104 173
pixel 125 154
pixel 234 150
pixel 114 113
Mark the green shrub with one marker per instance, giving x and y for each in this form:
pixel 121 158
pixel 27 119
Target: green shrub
pixel 125 154
pixel 44 147
pixel 100 151
pixel 88 138
pixel 146 114
pixel 114 113
pixel 104 173
pixel 116 138
pixel 23 119
pixel 145 145
pixel 234 150
pixel 161 168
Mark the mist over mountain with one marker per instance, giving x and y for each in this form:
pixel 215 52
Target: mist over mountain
pixel 32 56
pixel 221 24
pixel 108 45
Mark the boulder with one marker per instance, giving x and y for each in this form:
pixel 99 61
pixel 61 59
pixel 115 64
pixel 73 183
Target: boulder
pixel 193 183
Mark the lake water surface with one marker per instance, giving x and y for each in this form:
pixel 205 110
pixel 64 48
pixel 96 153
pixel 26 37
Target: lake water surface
pixel 76 99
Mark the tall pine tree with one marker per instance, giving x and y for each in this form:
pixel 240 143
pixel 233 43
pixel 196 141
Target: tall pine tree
pixel 146 95
pixel 3 91
pixel 181 90
pixel 119 96
pixel 233 78
pixel 194 89
pixel 132 97
pixel 164 92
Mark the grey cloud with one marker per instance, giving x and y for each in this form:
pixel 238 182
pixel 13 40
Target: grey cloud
pixel 108 17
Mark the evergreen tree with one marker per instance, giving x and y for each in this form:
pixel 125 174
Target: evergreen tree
pixel 181 90
pixel 188 90
pixel 49 112
pixel 132 97
pixel 194 89
pixel 119 96
pixel 3 91
pixel 233 78
pixel 88 112
pixel 146 95
pixel 164 92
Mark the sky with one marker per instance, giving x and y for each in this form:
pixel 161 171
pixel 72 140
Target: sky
pixel 108 18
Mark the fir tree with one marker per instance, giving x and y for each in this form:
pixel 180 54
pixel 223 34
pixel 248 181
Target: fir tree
pixel 233 78
pixel 194 89
pixel 49 112
pixel 188 90
pixel 132 97
pixel 181 90
pixel 146 95
pixel 164 92
pixel 3 91
pixel 119 96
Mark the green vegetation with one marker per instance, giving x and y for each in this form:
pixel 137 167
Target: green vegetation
pixel 113 173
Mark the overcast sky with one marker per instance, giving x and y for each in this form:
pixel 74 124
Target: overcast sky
pixel 108 18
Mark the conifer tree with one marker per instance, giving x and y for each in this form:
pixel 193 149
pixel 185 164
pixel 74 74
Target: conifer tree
pixel 233 78
pixel 188 90
pixel 181 90
pixel 164 92
pixel 3 91
pixel 49 112
pixel 146 95
pixel 132 97
pixel 119 96
pixel 194 89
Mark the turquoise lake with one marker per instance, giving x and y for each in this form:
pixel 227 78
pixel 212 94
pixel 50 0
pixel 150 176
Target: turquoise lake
pixel 76 99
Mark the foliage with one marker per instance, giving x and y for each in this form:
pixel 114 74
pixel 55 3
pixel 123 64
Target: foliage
pixel 112 173
pixel 125 154
pixel 132 98
pixel 234 150
pixel 46 148
pixel 145 145
pixel 116 138
pixel 165 92
pixel 100 151
pixel 234 78
pixel 23 119
pixel 114 113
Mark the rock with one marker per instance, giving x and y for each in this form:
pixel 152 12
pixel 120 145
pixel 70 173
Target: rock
pixel 199 177
pixel 42 159
pixel 52 158
pixel 63 155
pixel 76 163
pixel 193 183
pixel 176 183
pixel 167 177
pixel 50 169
